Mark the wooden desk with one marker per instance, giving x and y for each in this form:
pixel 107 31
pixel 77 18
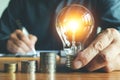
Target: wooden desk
pixel 61 76
pixel 16 59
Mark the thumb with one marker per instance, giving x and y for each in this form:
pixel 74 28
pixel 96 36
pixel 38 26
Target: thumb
pixel 102 41
pixel 33 39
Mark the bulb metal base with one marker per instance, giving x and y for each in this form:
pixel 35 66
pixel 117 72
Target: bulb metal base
pixel 69 60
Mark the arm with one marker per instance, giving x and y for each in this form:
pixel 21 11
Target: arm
pixel 8 22
pixel 103 52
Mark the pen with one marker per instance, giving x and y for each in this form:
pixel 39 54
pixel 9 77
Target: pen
pixel 24 30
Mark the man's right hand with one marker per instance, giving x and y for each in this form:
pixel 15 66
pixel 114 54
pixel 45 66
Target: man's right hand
pixel 103 53
pixel 20 43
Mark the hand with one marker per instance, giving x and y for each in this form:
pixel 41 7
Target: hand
pixel 102 53
pixel 19 42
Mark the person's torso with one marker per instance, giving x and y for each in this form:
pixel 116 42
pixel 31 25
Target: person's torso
pixel 39 18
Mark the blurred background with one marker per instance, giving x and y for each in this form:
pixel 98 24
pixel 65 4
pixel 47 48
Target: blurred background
pixel 3 5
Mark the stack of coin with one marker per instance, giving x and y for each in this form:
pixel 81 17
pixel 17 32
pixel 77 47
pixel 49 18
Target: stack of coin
pixel 47 62
pixel 28 66
pixel 10 67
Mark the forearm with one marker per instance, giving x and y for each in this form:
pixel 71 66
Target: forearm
pixel 8 22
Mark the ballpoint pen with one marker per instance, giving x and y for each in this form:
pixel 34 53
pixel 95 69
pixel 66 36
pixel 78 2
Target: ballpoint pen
pixel 24 30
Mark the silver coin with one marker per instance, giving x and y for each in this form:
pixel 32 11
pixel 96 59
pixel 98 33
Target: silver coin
pixel 47 62
pixel 28 66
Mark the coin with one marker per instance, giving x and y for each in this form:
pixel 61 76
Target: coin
pixel 47 62
pixel 10 67
pixel 28 66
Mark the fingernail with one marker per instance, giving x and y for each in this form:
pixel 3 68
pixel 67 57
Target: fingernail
pixel 77 64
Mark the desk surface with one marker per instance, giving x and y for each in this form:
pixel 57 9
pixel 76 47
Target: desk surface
pixel 17 59
pixel 61 76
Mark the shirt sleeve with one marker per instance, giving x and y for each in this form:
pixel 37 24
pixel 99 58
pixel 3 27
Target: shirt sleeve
pixel 8 22
pixel 109 11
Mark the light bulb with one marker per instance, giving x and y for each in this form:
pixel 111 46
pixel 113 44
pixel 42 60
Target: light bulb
pixel 74 24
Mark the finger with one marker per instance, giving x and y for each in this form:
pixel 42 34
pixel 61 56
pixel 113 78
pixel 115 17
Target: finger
pixel 14 38
pixel 105 57
pixel 23 46
pixel 33 39
pixel 18 35
pixel 17 49
pixel 97 63
pixel 113 65
pixel 13 48
pixel 23 37
pixel 117 63
pixel 108 68
pixel 18 43
pixel 111 52
pixel 101 42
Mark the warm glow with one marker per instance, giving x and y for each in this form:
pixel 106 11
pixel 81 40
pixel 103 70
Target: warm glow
pixel 74 20
pixel 73 25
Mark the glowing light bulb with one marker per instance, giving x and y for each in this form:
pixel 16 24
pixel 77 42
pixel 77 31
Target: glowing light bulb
pixel 74 24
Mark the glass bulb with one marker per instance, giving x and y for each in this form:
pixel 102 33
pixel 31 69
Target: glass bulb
pixel 74 24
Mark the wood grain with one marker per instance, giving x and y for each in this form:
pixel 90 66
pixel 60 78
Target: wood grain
pixel 62 74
